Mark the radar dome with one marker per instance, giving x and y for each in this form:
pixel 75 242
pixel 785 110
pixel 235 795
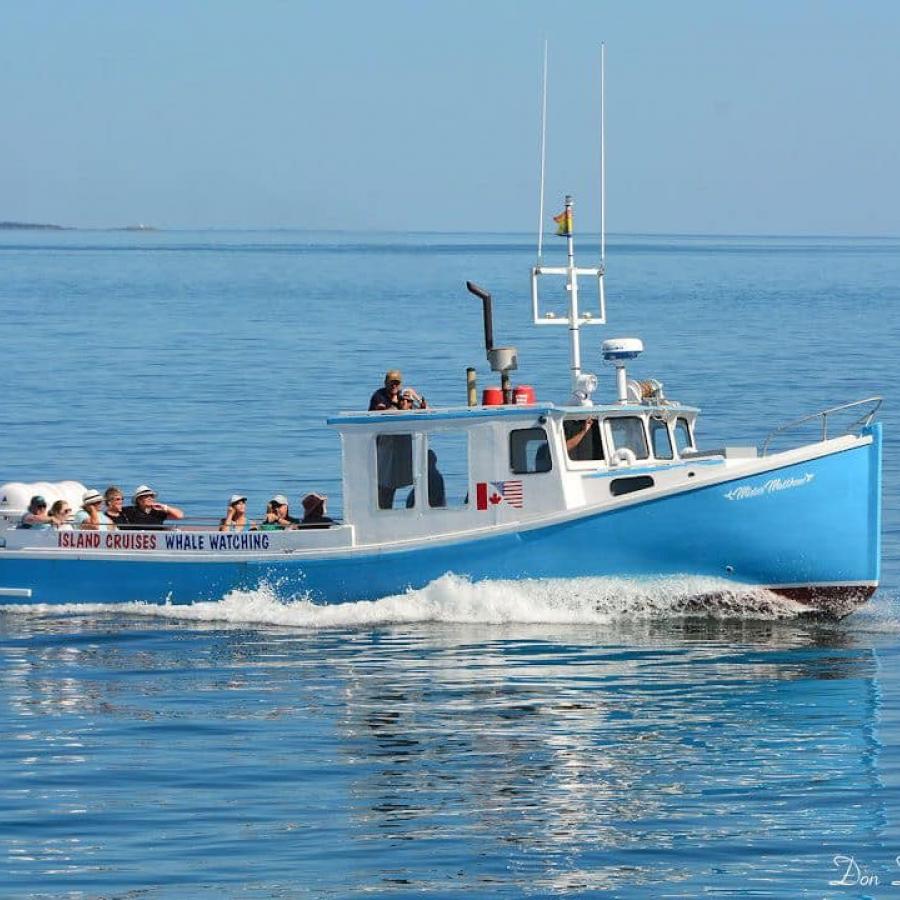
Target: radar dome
pixel 618 349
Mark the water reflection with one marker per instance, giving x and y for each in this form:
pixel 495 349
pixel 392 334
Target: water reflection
pixel 533 757
pixel 579 746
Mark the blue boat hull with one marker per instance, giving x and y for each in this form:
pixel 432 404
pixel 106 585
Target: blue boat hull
pixel 816 536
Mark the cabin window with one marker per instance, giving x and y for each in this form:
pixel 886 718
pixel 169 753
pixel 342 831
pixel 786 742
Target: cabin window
pixel 447 472
pixel 660 439
pixel 394 468
pixel 583 442
pixel 529 451
pixel 683 439
pixel 628 434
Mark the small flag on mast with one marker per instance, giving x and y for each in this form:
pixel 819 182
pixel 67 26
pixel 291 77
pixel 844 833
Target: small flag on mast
pixel 564 222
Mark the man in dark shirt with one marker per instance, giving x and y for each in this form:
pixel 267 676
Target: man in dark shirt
pixel 146 513
pixel 388 397
pixel 314 512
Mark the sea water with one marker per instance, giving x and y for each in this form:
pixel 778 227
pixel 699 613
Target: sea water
pixel 504 739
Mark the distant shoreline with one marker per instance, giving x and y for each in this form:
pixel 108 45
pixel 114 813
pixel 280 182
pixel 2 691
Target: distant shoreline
pixel 40 226
pixel 30 226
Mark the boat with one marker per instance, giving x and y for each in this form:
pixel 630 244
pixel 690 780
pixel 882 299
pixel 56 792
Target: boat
pixel 507 486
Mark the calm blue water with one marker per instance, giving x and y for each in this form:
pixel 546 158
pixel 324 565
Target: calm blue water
pixel 464 740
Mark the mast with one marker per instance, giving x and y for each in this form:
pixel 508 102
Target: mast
pixel 540 234
pixel 602 154
pixel 572 287
pixel 574 317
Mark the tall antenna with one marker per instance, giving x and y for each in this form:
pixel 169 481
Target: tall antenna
pixel 540 235
pixel 573 318
pixel 602 153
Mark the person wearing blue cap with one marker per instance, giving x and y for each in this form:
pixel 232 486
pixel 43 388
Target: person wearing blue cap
pixel 36 514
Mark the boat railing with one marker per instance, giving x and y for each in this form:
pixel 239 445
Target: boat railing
pixel 873 403
pixel 199 523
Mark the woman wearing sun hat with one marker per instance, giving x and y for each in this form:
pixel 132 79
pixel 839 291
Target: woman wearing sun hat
pixel 236 515
pixel 90 517
pixel 314 512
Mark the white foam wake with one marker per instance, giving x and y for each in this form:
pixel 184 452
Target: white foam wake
pixel 452 599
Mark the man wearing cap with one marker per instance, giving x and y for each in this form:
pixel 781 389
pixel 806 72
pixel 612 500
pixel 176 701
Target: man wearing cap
pixel 314 512
pixel 388 397
pixel 36 514
pixel 146 513
pixel 90 517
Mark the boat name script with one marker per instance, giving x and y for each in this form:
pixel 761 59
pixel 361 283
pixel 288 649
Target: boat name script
pixel 123 540
pixel 772 486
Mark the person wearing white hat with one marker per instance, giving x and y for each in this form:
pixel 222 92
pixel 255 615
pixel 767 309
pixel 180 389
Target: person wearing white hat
pixel 90 517
pixel 146 512
pixel 236 515
pixel 278 515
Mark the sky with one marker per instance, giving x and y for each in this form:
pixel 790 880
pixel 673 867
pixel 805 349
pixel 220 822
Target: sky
pixel 738 117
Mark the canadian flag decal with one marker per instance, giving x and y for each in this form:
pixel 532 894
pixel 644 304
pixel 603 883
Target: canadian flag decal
pixel 492 493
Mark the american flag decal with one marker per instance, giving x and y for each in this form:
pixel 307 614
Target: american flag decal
pixel 510 491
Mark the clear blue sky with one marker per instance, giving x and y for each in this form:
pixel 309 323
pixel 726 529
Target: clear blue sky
pixel 724 117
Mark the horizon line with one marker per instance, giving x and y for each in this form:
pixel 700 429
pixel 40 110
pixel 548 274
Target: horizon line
pixel 13 226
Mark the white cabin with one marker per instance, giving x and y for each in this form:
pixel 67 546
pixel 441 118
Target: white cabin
pixel 444 471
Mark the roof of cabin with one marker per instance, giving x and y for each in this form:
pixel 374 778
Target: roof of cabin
pixel 479 413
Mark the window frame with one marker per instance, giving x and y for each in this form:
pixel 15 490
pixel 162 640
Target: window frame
pixel 614 448
pixel 654 423
pixel 423 475
pixel 510 459
pixel 604 445
pixel 417 442
pixel 690 433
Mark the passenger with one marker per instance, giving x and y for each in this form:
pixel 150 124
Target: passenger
pixel 60 513
pixel 114 498
pixel 314 512
pixel 388 397
pixel 146 513
pixel 89 517
pixel 278 515
pixel 410 399
pixel 236 515
pixel 36 514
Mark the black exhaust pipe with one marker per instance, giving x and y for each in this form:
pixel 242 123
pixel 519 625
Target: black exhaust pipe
pixel 488 315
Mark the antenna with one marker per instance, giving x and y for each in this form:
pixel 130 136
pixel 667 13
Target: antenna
pixel 602 153
pixel 540 234
pixel 574 317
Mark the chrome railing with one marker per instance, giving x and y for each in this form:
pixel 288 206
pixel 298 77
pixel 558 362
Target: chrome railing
pixel 860 422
